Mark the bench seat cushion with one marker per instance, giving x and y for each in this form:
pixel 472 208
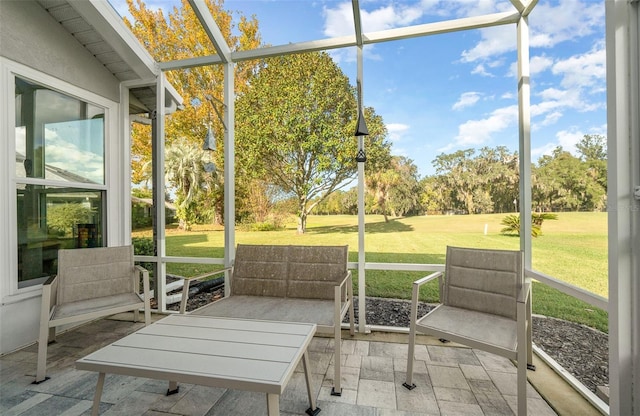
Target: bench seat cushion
pixel 316 311
pixel 118 303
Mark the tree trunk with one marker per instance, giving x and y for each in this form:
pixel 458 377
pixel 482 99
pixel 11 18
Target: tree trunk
pixel 218 213
pixel 302 222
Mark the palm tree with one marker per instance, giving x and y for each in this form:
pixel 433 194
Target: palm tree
pixel 189 170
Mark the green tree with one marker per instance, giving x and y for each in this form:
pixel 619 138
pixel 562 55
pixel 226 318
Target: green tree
pixel 404 195
pixel 564 181
pixel 593 152
pixel 501 178
pixel 187 172
pixel 459 176
pixel 434 197
pixel 179 35
pixel 61 218
pixel 295 128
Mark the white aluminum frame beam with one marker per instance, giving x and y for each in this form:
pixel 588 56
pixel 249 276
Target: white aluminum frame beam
pixel 623 181
pixel 209 25
pixel 456 25
pixel 524 137
pixel 362 308
pixel 157 149
pixel 229 172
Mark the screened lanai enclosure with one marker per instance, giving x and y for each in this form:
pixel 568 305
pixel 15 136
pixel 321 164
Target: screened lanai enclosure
pixel 221 62
pixel 623 157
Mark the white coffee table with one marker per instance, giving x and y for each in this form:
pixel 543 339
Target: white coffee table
pixel 241 354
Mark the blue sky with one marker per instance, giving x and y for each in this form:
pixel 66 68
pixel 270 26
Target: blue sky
pixel 447 92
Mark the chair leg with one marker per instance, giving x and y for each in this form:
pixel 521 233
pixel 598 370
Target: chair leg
pixel 410 357
pixel 522 357
pixel 352 318
pixel 43 340
pixel 522 387
pixel 337 339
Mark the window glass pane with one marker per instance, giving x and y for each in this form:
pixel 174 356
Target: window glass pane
pixel 57 137
pixel 51 218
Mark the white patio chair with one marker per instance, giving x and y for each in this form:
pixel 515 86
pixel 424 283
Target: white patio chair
pixel 485 304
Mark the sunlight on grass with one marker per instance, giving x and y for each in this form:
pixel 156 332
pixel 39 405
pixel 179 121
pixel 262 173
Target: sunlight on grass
pixel 572 248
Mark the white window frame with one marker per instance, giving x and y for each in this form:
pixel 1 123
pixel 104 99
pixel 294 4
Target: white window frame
pixel 114 156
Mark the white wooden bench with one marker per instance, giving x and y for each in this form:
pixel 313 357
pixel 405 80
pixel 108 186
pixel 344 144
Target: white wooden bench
pixel 289 283
pixel 91 283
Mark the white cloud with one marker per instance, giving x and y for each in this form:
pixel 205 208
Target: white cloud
pixel 565 20
pixel 339 20
pixel 550 24
pixel 467 99
pixel 586 71
pixel 569 139
pixel 545 149
pixel 479 70
pixel 539 64
pixel 475 133
pixel 397 131
pixel 494 41
pixel 552 118
pixel 66 155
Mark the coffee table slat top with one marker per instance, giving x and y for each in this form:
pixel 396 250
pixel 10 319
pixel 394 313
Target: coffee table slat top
pixel 219 352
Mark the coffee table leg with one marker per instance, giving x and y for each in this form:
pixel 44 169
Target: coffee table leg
pixel 273 404
pixel 312 410
pixel 96 398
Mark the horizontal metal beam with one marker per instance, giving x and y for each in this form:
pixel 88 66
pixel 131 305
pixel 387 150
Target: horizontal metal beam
pixel 477 22
pixel 301 47
pixel 190 62
pixel 569 289
pixel 456 25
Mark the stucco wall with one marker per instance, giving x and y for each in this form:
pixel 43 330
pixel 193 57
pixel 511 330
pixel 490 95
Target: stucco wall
pixel 30 36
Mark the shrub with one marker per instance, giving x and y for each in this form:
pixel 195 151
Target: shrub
pixel 143 246
pixel 512 223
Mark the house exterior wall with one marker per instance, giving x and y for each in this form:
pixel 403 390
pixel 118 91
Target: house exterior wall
pixel 30 36
pixel 34 46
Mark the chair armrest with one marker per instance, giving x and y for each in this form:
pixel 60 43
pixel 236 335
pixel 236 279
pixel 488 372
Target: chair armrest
pixel 349 288
pixel 416 292
pixel 141 271
pixel 346 277
pixel 525 293
pixel 427 279
pixel 146 290
pixel 187 283
pixel 49 296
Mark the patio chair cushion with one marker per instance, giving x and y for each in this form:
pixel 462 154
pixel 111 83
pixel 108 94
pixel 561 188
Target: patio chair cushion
pixel 451 322
pixel 483 281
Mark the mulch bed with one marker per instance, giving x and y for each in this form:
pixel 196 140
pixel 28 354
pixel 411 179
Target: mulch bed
pixel 582 351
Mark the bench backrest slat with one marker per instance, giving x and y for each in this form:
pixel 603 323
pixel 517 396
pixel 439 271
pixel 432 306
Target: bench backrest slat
pixel 88 273
pixel 309 272
pixel 260 270
pixel 314 271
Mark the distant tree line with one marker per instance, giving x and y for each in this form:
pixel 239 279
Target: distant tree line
pixel 484 181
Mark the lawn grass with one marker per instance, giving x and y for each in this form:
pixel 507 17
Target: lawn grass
pixel 572 248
